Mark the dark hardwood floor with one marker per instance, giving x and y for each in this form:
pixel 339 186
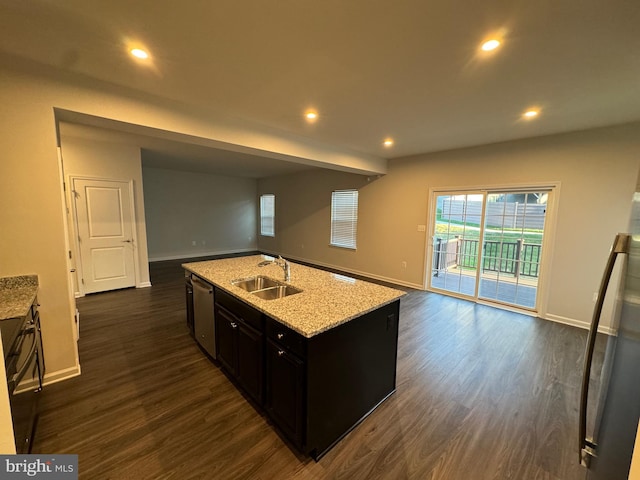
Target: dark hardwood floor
pixel 481 394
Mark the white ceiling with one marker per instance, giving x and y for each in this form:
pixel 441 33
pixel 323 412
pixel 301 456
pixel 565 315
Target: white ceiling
pixel 409 69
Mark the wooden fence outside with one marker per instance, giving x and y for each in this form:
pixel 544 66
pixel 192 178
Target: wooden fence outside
pixel 529 216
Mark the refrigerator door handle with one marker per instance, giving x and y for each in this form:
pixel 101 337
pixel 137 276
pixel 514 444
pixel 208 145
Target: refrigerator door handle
pixel 587 447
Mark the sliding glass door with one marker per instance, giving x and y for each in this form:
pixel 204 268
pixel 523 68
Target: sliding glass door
pixel 512 247
pixel 455 242
pixel 488 244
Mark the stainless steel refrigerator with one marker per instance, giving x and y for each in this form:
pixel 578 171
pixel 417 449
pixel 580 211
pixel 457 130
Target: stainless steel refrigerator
pixel 607 451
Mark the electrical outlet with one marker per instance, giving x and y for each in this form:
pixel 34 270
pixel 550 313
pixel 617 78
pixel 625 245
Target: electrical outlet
pixel 404 264
pixel 193 243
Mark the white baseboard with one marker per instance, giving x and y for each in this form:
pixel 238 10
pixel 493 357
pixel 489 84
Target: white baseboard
pixel 49 378
pixel 181 256
pixel 394 281
pixel 576 323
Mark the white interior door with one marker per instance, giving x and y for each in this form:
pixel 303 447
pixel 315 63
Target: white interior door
pixel 105 234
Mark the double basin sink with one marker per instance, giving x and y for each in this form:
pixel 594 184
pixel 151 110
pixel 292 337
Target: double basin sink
pixel 265 287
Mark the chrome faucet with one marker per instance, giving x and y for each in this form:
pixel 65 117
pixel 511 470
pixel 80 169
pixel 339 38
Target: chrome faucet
pixel 281 262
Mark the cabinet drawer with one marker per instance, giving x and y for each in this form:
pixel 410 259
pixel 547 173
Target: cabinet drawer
pixel 288 338
pixel 248 314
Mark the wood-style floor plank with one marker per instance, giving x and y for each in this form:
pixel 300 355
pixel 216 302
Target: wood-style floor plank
pixel 481 394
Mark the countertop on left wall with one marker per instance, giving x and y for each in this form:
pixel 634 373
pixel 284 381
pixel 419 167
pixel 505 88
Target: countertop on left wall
pixel 17 295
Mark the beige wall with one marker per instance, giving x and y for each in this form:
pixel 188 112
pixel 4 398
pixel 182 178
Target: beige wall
pixel 32 240
pixel 634 474
pixel 87 157
pixel 597 171
pixel 218 213
pixel 302 220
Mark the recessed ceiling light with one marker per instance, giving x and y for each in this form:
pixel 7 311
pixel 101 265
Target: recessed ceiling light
pixel 311 116
pixel 531 113
pixel 490 45
pixel 388 142
pixel 139 53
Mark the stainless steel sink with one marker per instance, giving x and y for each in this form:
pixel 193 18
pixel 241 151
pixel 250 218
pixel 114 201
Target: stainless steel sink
pixel 265 287
pixel 256 283
pixel 273 293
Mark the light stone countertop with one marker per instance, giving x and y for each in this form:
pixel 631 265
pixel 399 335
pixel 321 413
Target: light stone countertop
pixel 16 295
pixel 326 301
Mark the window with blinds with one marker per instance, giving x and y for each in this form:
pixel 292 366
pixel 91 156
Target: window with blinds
pixel 267 215
pixel 344 218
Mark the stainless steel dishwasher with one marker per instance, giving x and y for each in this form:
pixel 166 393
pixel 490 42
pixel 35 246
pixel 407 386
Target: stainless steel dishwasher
pixel 204 324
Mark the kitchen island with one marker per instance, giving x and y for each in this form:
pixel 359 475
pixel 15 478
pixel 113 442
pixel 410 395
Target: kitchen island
pixel 317 361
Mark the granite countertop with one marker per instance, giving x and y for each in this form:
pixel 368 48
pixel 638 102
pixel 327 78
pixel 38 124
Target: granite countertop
pixel 326 301
pixel 16 295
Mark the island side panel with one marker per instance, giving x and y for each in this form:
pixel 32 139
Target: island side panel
pixel 350 370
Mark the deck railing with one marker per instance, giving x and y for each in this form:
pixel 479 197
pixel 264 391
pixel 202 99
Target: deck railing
pixel 516 258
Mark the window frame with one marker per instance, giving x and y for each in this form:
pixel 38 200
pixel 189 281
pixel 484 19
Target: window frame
pixel 265 216
pixel 344 224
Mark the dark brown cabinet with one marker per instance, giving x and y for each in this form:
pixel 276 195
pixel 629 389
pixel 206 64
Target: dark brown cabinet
pixel 315 390
pixel 285 381
pixel 250 363
pixel 319 388
pixel 188 287
pixel 350 370
pixel 25 368
pixel 227 338
pixel 240 343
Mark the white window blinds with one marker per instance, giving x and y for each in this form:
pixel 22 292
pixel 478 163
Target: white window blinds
pixel 344 218
pixel 267 215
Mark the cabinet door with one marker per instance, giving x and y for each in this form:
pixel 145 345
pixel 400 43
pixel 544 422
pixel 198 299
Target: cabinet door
pixel 250 362
pixel 42 367
pixel 226 338
pixel 189 304
pixel 285 391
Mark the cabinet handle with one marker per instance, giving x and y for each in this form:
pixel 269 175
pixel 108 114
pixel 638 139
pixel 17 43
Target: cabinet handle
pixel 280 336
pixel 280 353
pixel 234 325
